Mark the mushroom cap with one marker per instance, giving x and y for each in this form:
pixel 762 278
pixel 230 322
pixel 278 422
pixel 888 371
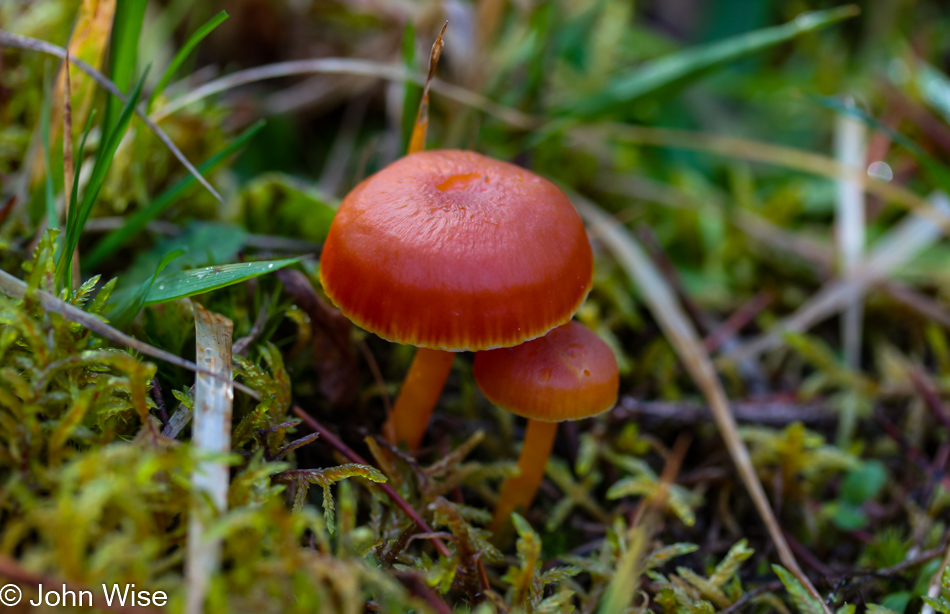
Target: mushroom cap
pixel 568 374
pixel 453 250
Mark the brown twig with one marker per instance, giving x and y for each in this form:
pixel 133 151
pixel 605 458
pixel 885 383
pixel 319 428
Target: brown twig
pixel 737 321
pixel 771 412
pixel 743 601
pixel 906 448
pixel 346 451
pixel 704 322
pixel 377 375
pixel 418 588
pixel 924 386
pixel 159 401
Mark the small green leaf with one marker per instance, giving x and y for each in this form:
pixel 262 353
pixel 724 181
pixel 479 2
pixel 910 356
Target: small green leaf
pixel 849 517
pixel 125 311
pixel 895 602
pixel 863 484
pixel 690 63
pixel 804 602
pixel 198 281
pixel 124 52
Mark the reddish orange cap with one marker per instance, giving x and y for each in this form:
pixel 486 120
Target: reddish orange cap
pixel 453 250
pixel 568 374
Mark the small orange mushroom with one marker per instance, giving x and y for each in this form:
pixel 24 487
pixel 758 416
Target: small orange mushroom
pixel 568 374
pixel 453 251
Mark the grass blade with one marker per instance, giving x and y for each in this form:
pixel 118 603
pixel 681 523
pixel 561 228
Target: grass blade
pixel 15 41
pixel 198 281
pixel 123 53
pixel 183 53
pixel 135 223
pixel 690 63
pixel 336 66
pixel 52 220
pixel 99 172
pixel 68 165
pixel 128 308
pixel 934 86
pixel 71 212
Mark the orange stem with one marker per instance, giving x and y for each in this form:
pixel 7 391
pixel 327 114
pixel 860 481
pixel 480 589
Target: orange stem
pixel 420 392
pixel 518 492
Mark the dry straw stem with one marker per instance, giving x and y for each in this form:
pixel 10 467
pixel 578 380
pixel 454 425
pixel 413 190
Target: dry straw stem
pixel 418 140
pixel 901 244
pixel 211 434
pixel 816 254
pixel 756 151
pixel 16 41
pixel 348 66
pixel 680 332
pixel 850 152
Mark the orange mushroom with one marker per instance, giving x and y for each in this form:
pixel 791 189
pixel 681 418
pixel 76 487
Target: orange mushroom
pixel 453 251
pixel 568 374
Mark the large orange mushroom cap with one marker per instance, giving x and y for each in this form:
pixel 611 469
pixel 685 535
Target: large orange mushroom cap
pixel 568 374
pixel 453 250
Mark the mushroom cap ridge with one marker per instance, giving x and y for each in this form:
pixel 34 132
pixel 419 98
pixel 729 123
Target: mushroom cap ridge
pixel 568 374
pixel 454 250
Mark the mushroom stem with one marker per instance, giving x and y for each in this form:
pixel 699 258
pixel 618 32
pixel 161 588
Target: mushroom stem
pixel 420 392
pixel 519 491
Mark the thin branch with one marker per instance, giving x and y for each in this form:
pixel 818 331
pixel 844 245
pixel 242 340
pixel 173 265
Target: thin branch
pixel 346 451
pixel 16 41
pixel 770 412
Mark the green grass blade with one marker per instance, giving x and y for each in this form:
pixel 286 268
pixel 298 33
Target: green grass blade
pixel 137 222
pixel 99 172
pixel 71 214
pixel 198 281
pixel 690 63
pixel 123 54
pixel 126 310
pixel 934 86
pixel 45 110
pixel 938 171
pixel 183 53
